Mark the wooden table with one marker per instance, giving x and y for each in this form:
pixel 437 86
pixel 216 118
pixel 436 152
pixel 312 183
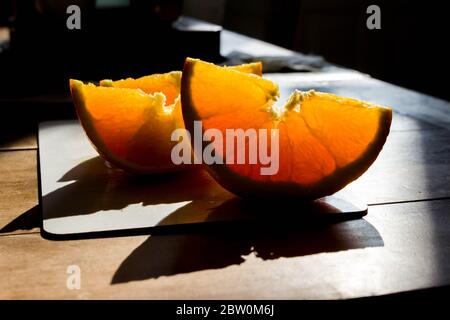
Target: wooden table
pixel 403 243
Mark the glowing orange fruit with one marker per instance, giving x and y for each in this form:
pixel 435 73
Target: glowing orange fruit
pixel 325 141
pixel 130 121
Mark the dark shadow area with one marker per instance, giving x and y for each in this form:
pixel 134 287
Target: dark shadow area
pixel 337 30
pixel 97 187
pixel 28 220
pixel 166 255
pixel 19 135
pixel 40 27
pixel 230 230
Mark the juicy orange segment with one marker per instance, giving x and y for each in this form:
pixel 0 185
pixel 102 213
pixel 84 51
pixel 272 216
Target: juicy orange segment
pixel 130 121
pixel 250 68
pixel 167 83
pixel 129 128
pixel 325 141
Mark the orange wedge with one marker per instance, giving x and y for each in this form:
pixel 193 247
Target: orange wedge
pixel 130 121
pixel 324 141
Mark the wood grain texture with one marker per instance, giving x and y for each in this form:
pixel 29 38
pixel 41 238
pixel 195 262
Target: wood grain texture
pixel 395 248
pixel 19 192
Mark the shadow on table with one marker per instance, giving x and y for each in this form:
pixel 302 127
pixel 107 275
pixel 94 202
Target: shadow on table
pixel 28 220
pixel 269 230
pixel 273 230
pixel 91 187
pixel 94 187
pixel 166 255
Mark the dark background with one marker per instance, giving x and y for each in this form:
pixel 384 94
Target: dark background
pixel 410 49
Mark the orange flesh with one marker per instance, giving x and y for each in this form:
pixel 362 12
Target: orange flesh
pixel 319 134
pixel 167 83
pixel 109 127
pixel 152 123
pixel 130 121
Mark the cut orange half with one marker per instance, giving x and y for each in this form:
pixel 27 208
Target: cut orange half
pixel 130 122
pixel 324 141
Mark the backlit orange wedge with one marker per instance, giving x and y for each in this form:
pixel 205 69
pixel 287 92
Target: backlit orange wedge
pixel 130 121
pixel 324 141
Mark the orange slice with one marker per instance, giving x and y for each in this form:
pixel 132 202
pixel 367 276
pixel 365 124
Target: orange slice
pixel 324 141
pixel 130 121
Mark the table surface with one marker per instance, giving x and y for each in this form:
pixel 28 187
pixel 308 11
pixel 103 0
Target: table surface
pixel 403 243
